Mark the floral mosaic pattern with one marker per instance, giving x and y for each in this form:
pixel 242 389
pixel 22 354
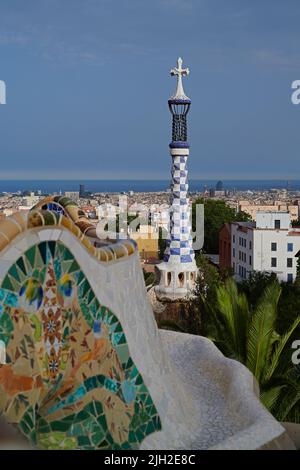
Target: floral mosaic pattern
pixel 66 376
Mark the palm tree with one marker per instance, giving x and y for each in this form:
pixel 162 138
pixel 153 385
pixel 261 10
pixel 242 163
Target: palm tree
pixel 248 335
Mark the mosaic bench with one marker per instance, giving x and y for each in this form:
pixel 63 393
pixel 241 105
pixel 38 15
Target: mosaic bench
pixel 82 363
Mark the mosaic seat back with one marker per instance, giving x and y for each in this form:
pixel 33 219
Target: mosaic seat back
pixel 66 376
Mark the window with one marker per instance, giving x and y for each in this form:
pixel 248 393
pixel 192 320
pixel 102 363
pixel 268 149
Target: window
pixel 245 243
pixel 277 224
pixel 290 247
pixel 233 238
pixel 250 260
pixel 233 252
pixel 290 277
pixel 289 262
pixel 273 246
pixel 180 279
pixel 250 245
pixel 274 262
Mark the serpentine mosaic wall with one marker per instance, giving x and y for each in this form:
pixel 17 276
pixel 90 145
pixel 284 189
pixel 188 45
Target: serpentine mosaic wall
pixel 66 376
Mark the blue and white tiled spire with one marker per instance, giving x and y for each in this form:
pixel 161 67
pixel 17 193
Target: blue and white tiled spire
pixel 178 271
pixel 179 245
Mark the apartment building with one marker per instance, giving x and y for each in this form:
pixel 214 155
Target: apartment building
pixel 270 244
pixel 252 209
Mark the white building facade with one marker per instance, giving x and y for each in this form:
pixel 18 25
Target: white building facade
pixel 268 245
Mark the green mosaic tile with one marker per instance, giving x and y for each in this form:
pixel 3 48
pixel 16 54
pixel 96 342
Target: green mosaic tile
pixel 15 284
pixel 20 263
pixel 80 277
pixel 43 251
pixel 90 297
pixel 21 275
pixel 14 273
pixel 30 255
pixel 59 426
pixel 7 284
pixel 74 267
pixel 83 441
pixel 66 266
pixel 52 246
pixel 102 421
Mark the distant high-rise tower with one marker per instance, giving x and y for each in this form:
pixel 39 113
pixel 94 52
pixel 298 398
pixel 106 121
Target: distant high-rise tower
pixel 178 271
pixel 219 186
pixel 81 190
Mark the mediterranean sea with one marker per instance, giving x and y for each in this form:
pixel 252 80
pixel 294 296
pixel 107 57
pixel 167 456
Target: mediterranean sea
pixel 117 186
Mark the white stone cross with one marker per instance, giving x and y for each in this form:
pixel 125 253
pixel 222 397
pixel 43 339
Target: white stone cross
pixel 2 92
pixel 179 72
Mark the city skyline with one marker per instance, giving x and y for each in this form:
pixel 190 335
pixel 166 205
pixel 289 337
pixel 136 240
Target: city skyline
pixel 87 93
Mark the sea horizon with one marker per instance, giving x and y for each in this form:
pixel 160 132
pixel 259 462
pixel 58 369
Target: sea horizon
pixel 126 185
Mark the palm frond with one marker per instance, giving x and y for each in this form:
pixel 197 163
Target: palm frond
pixel 277 355
pixel 233 310
pixel 270 397
pixel 219 332
pixel 288 402
pixel 261 331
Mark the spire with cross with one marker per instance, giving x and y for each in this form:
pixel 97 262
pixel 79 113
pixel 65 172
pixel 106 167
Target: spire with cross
pixel 179 105
pixel 178 271
pixel 179 72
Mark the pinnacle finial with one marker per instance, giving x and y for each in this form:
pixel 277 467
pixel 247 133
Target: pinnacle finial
pixel 179 72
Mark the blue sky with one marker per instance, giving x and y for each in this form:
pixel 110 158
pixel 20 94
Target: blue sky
pixel 88 82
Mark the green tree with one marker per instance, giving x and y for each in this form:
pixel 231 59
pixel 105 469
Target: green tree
pixel 256 283
pixel 208 280
pixel 216 213
pixel 288 306
pixel 248 334
pixel 149 279
pixel 162 242
pixel 289 301
pixel 298 270
pixel 196 319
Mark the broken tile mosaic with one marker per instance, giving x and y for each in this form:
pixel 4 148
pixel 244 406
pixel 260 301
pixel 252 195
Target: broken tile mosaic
pixel 68 381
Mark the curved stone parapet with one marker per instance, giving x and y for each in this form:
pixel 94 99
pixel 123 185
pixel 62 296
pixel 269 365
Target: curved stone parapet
pixel 11 227
pixel 83 364
pixel 80 342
